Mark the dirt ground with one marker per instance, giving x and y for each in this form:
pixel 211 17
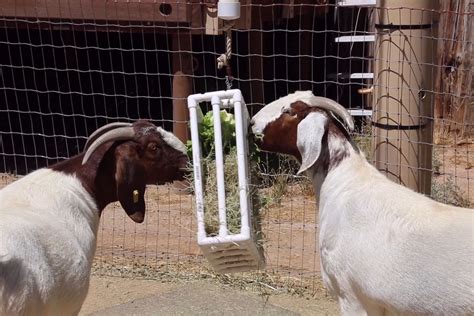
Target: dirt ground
pixel 125 296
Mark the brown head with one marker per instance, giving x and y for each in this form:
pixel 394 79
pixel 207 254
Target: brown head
pixel 299 124
pixel 120 159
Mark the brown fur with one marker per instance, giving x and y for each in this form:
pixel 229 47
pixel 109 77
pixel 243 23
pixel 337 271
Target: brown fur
pixel 116 169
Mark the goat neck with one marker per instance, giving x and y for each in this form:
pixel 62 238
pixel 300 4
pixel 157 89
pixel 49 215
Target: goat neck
pixel 337 148
pixel 97 176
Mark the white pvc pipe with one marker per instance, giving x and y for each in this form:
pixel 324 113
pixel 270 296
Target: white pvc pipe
pixel 197 167
pixel 221 99
pixel 223 239
pixel 218 149
pixel 242 161
pixel 221 250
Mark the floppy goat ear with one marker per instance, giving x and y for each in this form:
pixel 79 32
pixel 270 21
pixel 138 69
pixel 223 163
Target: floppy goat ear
pixel 309 137
pixel 130 177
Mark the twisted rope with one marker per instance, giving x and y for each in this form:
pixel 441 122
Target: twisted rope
pixel 224 59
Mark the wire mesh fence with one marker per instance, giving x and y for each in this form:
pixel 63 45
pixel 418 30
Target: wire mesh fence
pixel 69 68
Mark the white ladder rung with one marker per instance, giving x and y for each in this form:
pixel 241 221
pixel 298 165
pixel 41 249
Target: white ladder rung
pixel 353 3
pixel 355 38
pixel 362 75
pixel 360 112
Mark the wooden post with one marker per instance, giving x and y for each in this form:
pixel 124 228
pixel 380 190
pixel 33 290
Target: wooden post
pixel 182 84
pixel 403 94
pixel 182 88
pixel 256 66
pixel 306 46
pixel 453 76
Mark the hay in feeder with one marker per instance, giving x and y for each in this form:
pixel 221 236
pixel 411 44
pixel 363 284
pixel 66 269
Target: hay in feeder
pixel 232 195
pixel 232 201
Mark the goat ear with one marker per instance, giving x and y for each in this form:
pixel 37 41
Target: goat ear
pixel 130 177
pixel 309 137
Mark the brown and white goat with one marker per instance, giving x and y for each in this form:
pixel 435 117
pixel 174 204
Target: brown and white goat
pixel 49 218
pixel 385 249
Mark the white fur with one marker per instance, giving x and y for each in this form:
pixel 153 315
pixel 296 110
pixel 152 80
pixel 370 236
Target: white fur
pixel 385 249
pixel 48 229
pixel 172 140
pixel 273 110
pixel 310 134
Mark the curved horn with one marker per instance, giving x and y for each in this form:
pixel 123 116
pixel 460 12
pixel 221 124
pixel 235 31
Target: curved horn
pixel 335 108
pixel 103 130
pixel 121 133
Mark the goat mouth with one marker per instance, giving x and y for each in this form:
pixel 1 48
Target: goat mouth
pixel 184 171
pixel 138 217
pixel 258 140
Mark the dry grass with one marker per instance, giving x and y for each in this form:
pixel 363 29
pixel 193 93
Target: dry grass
pixel 211 210
pixel 363 139
pixel 232 194
pixel 262 282
pixel 449 192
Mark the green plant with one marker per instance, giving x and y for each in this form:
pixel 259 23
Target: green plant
pixel 206 133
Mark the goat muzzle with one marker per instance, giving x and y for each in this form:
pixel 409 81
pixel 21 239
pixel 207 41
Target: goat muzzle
pixel 137 217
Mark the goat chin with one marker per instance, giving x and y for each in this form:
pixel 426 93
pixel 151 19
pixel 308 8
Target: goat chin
pixel 38 275
pixel 387 249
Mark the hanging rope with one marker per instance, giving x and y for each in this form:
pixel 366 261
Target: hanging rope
pixel 224 59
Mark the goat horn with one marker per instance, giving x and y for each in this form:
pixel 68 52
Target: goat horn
pixel 120 133
pixel 335 108
pixel 103 130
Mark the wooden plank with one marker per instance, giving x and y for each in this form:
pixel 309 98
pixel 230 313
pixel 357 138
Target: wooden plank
pixel 182 65
pixel 117 10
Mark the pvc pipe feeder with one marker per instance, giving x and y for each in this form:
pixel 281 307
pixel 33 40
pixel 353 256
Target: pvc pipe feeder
pixel 226 252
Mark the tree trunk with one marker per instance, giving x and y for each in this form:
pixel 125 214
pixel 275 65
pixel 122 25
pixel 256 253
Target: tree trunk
pixel 454 76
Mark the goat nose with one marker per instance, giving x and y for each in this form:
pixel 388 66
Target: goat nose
pixel 252 122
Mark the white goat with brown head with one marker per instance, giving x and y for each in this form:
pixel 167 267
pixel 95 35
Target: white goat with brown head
pixel 384 248
pixel 49 218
